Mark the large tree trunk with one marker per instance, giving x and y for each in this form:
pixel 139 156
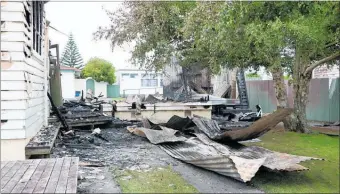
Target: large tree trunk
pixel 302 74
pixel 281 93
pixel 301 89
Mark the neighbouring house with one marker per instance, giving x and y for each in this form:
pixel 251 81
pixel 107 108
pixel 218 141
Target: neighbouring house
pixel 72 85
pixel 135 81
pixel 24 75
pixel 96 88
pixel 325 72
pixel 68 77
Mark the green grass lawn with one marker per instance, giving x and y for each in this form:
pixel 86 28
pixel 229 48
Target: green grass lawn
pixel 323 176
pixel 156 180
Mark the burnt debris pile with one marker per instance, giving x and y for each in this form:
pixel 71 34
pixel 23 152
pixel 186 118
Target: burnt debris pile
pixel 215 145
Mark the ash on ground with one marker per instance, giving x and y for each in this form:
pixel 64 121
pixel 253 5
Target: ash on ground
pixel 96 156
pixel 117 148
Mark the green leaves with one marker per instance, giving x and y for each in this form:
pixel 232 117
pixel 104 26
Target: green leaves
pixel 155 27
pixel 231 34
pixel 99 70
pixel 71 56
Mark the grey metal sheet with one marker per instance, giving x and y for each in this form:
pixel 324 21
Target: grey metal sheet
pixel 237 161
pixel 157 136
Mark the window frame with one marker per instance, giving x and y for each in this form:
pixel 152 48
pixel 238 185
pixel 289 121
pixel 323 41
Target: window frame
pixel 38 26
pixel 149 80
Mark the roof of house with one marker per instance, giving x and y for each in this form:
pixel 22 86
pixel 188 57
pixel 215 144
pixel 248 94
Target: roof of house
pixel 130 70
pixel 63 67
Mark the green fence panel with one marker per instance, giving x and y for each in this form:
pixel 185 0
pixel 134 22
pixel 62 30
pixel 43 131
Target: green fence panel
pixel 323 99
pixel 318 103
pixel 259 92
pixel 334 96
pixel 90 85
pixel 113 91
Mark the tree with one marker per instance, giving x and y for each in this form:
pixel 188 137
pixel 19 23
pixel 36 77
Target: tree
pixel 291 36
pixel 71 56
pixel 154 27
pixel 99 70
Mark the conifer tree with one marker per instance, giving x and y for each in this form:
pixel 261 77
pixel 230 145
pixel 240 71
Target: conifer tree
pixel 71 56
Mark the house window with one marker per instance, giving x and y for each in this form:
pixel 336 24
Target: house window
pixel 125 75
pixel 133 75
pixel 161 83
pixel 38 11
pixel 149 80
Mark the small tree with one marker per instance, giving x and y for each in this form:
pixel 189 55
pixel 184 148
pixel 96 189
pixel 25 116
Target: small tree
pixel 99 70
pixel 71 56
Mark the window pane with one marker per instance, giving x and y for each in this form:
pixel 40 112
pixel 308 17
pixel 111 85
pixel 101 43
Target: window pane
pixel 144 82
pixel 153 82
pixel 133 75
pixel 149 82
pixel 125 75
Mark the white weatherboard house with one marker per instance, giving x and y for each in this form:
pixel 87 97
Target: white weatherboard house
pixel 24 75
pixel 135 81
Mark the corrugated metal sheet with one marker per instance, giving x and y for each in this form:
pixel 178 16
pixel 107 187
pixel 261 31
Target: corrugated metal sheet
pixel 157 136
pixel 323 98
pixel 258 128
pixel 237 161
pixel 195 152
pixel 234 160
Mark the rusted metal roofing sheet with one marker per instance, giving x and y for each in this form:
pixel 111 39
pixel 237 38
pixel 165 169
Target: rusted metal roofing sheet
pixel 237 161
pixel 195 152
pixel 257 129
pixel 240 162
pixel 274 160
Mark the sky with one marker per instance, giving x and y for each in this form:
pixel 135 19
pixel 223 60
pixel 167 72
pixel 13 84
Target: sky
pixel 82 19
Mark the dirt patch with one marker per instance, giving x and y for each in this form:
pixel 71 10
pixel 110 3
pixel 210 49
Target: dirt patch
pixel 330 130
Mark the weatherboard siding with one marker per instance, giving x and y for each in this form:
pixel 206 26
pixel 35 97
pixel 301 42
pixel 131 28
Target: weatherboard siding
pixel 23 73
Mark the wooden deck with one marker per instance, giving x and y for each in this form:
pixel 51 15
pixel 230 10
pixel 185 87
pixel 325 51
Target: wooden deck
pixel 42 143
pixel 54 175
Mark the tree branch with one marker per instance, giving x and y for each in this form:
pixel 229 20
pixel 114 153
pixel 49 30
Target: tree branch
pixel 321 62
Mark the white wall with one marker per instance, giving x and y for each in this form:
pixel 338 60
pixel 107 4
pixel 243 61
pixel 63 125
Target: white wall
pixel 67 84
pixel 23 79
pixel 100 87
pixel 133 85
pixel 80 84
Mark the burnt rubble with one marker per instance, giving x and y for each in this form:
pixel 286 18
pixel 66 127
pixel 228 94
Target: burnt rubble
pixel 79 114
pixel 201 142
